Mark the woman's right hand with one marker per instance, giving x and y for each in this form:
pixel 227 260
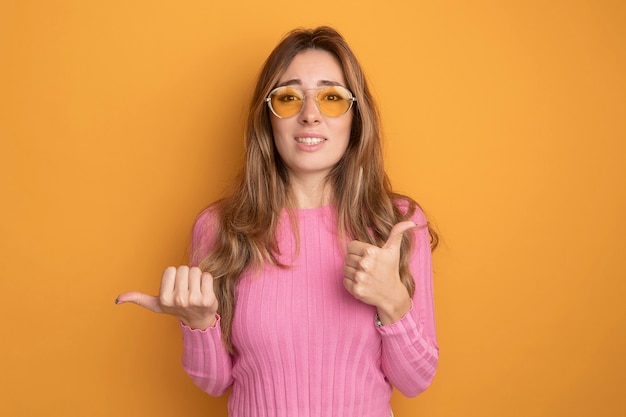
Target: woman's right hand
pixel 186 293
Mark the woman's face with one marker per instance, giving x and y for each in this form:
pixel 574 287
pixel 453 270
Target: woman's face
pixel 310 143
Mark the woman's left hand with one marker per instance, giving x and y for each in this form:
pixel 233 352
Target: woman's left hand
pixel 371 275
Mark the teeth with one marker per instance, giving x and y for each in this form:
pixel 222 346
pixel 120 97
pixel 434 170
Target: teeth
pixel 310 141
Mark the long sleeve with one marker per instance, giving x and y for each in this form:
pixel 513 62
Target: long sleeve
pixel 409 346
pixel 205 358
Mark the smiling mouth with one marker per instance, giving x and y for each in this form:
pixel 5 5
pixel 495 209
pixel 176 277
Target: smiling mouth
pixel 310 141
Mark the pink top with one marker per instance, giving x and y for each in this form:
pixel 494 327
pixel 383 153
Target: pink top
pixel 307 347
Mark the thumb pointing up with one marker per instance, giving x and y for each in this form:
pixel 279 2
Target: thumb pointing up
pixel 371 273
pixel 394 241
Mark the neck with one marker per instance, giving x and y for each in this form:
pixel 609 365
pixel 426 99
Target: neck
pixel 309 193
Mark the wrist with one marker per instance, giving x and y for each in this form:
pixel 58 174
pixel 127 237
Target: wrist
pixel 393 312
pixel 203 324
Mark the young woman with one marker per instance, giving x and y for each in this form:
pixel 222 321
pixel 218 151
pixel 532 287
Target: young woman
pixel 310 287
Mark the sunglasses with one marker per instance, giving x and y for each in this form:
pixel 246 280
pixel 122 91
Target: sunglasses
pixel 332 101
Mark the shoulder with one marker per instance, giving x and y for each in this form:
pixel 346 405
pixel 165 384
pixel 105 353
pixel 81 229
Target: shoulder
pixel 207 216
pixel 206 221
pixel 410 210
pixel 204 233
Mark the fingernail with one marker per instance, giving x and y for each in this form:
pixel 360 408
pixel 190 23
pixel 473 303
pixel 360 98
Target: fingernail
pixel 117 301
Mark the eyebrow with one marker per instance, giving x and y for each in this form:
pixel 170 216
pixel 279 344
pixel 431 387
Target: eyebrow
pixel 297 81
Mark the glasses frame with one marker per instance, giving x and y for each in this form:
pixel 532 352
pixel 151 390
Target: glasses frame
pixel 351 98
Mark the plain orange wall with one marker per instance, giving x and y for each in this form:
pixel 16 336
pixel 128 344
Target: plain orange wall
pixel 121 120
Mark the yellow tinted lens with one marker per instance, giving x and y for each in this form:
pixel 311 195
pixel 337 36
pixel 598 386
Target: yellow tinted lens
pixel 334 101
pixel 286 101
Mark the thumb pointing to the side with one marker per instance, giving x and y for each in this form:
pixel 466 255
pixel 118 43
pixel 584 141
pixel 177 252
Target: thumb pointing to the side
pixel 144 300
pixel 394 241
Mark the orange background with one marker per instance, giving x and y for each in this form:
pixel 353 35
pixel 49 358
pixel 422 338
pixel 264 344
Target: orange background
pixel 121 120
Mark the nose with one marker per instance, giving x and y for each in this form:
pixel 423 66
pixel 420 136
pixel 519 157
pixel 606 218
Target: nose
pixel 310 113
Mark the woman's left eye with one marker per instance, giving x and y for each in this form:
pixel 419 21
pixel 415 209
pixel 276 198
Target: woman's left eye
pixel 331 97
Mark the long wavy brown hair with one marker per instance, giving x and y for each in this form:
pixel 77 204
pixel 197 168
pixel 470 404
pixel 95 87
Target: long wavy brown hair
pixel 247 218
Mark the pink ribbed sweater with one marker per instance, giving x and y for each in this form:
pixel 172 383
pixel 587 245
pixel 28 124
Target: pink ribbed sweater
pixel 306 347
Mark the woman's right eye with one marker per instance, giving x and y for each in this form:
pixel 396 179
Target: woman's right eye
pixel 287 97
